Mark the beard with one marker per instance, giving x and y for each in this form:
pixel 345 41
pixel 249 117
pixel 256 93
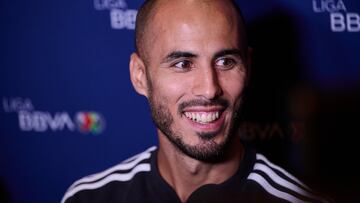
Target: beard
pixel 207 150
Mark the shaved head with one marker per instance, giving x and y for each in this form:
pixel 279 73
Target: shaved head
pixel 145 17
pixel 145 12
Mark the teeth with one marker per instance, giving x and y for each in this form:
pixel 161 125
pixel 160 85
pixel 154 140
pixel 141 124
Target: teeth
pixel 203 117
pixel 198 117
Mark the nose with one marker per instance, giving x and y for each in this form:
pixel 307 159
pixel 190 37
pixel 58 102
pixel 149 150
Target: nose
pixel 207 84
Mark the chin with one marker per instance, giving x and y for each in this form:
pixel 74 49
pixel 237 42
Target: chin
pixel 209 148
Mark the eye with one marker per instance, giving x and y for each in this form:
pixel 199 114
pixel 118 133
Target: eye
pixel 225 63
pixel 183 65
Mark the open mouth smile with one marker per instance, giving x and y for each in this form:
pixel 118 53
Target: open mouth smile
pixel 203 117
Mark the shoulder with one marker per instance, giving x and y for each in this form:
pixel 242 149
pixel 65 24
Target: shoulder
pixel 100 183
pixel 277 182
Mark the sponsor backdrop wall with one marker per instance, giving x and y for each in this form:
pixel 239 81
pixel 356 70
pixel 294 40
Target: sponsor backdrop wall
pixel 68 108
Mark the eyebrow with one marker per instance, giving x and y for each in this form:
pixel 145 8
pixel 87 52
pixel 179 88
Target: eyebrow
pixel 178 54
pixel 226 52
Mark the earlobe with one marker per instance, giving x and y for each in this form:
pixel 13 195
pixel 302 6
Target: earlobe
pixel 138 74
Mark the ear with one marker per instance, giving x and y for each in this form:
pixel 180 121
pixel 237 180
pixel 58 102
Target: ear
pixel 138 74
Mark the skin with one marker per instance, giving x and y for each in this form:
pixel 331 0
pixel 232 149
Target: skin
pixel 194 57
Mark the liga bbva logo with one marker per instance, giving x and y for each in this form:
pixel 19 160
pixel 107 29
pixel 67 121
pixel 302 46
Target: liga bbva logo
pixel 120 16
pixel 342 18
pixel 31 120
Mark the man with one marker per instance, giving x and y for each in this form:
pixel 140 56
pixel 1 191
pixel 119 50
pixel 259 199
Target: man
pixel 191 64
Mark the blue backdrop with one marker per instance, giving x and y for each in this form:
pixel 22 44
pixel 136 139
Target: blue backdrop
pixel 68 108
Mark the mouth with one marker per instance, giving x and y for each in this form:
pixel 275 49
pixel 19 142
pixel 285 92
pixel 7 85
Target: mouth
pixel 203 117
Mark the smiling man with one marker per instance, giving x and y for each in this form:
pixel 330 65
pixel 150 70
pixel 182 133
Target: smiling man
pixel 191 64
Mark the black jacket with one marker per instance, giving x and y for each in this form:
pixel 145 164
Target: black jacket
pixel 137 180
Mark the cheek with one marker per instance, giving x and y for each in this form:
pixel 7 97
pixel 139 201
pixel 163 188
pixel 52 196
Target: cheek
pixel 233 84
pixel 169 88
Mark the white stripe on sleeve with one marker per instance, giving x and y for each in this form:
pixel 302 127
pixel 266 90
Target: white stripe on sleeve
pixel 270 189
pixel 123 166
pixel 113 177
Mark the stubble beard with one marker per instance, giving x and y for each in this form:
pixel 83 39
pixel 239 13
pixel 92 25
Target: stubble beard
pixel 207 150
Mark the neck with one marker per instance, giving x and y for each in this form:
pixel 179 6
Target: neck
pixel 186 174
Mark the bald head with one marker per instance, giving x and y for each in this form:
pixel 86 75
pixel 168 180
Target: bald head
pixel 153 10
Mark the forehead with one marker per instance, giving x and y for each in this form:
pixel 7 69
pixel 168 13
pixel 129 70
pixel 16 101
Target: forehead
pixel 181 24
pixel 180 9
